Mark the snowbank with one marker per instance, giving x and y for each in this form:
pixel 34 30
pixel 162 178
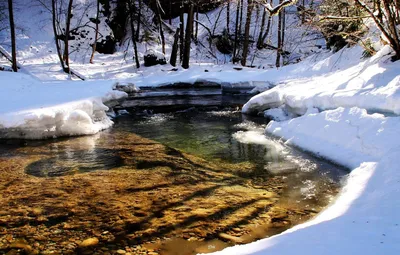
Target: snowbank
pixel 34 110
pixel 364 219
pixel 372 84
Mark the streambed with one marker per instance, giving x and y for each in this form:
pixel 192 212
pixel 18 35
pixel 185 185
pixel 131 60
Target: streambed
pixel 180 183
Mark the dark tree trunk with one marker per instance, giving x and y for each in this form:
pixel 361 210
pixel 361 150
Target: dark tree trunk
pixel 247 32
pixel 228 6
pixel 268 28
pixel 241 17
pixel 170 12
pixel 235 44
pixel 174 52
pixel 279 47
pixel 131 3
pixel 197 19
pixel 54 23
pixel 260 40
pixel 182 34
pixel 188 33
pixel 158 14
pixel 96 35
pixel 139 16
pixel 67 30
pixel 13 44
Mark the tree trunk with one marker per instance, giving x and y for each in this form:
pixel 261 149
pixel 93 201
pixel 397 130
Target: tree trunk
pixel 182 29
pixel 260 41
pixel 235 45
pixel 228 6
pixel 54 23
pixel 247 32
pixel 13 44
pixel 66 40
pixel 174 52
pixel 197 19
pixel 283 32
pixel 170 13
pixel 139 16
pixel 158 14
pixel 241 17
pixel 278 50
pixel 96 35
pixel 131 3
pixel 188 33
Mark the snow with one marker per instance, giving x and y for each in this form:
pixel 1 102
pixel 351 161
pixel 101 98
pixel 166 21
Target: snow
pixel 356 125
pixel 32 109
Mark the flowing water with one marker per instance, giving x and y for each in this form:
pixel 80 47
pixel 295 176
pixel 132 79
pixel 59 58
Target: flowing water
pixel 179 183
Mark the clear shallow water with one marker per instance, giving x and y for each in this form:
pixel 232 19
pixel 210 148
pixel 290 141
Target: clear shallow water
pixel 118 183
pixel 229 136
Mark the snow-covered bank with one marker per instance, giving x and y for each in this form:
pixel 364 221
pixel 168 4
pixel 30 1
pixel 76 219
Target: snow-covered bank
pixel 365 217
pixel 35 110
pixel 371 84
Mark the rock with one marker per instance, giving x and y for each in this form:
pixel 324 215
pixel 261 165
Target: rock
pixel 230 238
pixel 93 241
pixel 21 244
pixel 223 43
pixel 152 58
pixel 106 46
pixel 121 252
pixel 128 88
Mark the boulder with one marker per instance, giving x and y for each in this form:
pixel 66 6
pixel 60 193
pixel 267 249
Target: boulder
pixel 152 58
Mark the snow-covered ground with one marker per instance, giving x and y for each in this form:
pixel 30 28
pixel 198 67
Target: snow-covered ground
pixel 32 109
pixel 341 123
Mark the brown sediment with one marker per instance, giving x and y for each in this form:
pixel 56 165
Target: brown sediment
pixel 158 200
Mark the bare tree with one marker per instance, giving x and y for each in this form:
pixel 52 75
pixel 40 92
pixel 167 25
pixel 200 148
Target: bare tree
pixel 228 6
pixel 181 28
pixel 159 20
pixel 12 28
pixel 385 17
pixel 188 33
pixel 96 33
pixel 131 9
pixel 250 6
pixel 279 46
pixel 174 52
pixel 235 44
pixel 67 31
pixel 139 16
pixel 55 22
pixel 260 40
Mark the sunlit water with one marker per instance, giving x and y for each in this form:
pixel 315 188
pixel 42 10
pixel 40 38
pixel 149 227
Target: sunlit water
pixel 233 137
pixel 303 184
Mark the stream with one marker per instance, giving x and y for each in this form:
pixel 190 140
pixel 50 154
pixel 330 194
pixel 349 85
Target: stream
pixel 170 183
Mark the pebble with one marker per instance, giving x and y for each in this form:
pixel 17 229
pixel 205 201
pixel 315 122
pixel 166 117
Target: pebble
pixel 230 238
pixel 89 242
pixel 121 252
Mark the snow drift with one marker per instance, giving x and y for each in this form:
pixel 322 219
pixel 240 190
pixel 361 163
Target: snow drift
pixel 349 115
pixel 34 110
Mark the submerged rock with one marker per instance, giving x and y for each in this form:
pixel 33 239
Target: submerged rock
pixel 89 242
